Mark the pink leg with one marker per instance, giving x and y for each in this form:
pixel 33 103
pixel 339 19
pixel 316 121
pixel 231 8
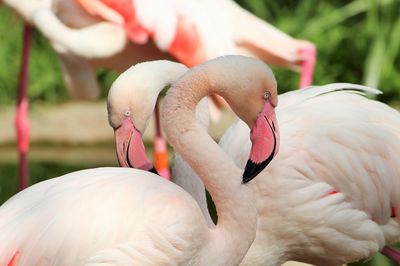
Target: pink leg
pixel 391 253
pixel 307 66
pixel 22 121
pixel 160 149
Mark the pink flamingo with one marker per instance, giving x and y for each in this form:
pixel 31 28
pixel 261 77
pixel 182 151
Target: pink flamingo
pixel 124 216
pixel 329 197
pixel 194 31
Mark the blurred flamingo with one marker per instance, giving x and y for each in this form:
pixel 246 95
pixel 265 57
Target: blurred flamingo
pixel 195 31
pixel 191 31
pixel 330 196
pixel 123 216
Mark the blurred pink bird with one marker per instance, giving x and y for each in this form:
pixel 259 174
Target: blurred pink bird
pixel 195 31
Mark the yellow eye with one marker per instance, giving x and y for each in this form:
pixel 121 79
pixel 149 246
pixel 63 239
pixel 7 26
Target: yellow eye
pixel 267 95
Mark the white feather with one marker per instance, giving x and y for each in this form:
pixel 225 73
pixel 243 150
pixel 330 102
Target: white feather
pixel 332 135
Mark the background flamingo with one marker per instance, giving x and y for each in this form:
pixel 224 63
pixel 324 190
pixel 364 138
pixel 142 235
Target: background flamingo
pixel 281 221
pixel 85 42
pixel 163 218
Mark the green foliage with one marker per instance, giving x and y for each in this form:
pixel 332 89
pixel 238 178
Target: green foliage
pixel 9 48
pixel 45 82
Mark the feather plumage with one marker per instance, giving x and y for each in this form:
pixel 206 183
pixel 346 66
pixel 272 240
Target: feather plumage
pixel 330 135
pixel 53 220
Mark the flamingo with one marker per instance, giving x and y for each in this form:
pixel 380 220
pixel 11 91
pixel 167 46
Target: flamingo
pixel 135 93
pixel 177 23
pixel 355 158
pixel 129 216
pixel 352 173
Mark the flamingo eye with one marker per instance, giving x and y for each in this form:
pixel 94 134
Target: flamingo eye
pixel 127 113
pixel 267 95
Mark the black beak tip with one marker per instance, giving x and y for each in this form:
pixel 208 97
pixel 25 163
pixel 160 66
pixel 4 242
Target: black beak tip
pixel 252 170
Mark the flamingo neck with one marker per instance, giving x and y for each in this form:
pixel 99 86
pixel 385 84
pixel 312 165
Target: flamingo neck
pixel 185 177
pixel 235 204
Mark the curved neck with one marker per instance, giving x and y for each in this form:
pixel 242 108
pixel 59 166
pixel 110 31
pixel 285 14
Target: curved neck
pixel 235 204
pixel 184 176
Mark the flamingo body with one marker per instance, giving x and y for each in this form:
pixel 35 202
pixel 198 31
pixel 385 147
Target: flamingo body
pixel 350 153
pixel 180 27
pixel 87 216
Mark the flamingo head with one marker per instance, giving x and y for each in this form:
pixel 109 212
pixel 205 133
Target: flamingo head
pixel 264 136
pixel 130 104
pixel 254 101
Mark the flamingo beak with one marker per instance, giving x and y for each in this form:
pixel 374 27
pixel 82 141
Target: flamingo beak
pixel 265 142
pixel 130 148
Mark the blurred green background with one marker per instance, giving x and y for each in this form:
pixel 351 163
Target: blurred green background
pixel 358 42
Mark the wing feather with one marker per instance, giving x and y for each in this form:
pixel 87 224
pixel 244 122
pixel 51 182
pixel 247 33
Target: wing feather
pixel 332 134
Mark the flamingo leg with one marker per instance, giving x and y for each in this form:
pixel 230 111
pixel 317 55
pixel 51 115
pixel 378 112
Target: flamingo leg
pixel 307 66
pixel 22 121
pixel 391 253
pixel 161 162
